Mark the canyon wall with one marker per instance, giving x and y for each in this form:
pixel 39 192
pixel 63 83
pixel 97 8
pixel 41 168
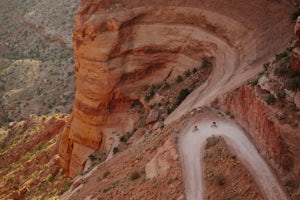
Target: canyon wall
pixel 124 46
pixel 277 142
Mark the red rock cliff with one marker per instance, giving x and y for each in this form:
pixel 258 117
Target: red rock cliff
pixel 278 143
pixel 122 47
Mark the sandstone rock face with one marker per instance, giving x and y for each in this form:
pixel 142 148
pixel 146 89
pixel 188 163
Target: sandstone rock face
pixel 162 161
pixel 277 143
pixel 121 48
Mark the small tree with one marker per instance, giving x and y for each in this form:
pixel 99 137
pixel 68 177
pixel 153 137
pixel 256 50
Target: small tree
pixel 270 99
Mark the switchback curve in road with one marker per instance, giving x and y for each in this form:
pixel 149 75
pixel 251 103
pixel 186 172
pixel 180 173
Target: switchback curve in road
pixel 191 146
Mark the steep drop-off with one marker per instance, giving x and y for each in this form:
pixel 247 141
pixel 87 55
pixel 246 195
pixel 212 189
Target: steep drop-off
pixel 123 47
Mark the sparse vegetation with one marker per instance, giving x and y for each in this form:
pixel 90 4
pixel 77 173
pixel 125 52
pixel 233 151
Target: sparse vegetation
pixel 49 178
pixel 229 114
pixel 291 185
pixel 211 141
pixel 135 175
pixel 97 157
pixel 187 73
pixel 105 174
pixel 182 95
pixel 115 150
pixel 179 79
pixel 270 99
pixel 206 63
pixel 219 179
pixel 266 66
pixel 281 94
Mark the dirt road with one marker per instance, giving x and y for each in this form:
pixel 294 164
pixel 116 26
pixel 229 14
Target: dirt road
pixel 191 147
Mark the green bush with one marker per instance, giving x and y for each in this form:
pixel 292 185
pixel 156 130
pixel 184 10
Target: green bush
pixel 49 178
pixel 123 139
pixel 179 79
pixel 281 70
pixel 183 94
pixel 195 70
pixel 211 141
pixel 115 150
pixel 135 103
pixel 105 174
pixel 281 94
pixel 165 85
pixel 135 175
pixel 219 180
pixel 270 99
pixel 254 81
pixel 187 73
pixel 281 55
pixel 291 185
pixel 206 63
pixel 92 157
pixel 150 95
pixel 266 66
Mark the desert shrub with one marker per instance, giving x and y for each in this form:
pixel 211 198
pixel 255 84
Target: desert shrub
pixel 6 119
pixel 187 73
pixel 135 103
pixel 165 85
pixel 281 55
pixel 266 66
pixel 97 156
pixel 291 185
pixel 105 174
pixel 219 180
pixel 123 139
pixel 49 178
pixel 92 157
pixel 115 150
pixel 281 94
pixel 281 70
pixel 15 187
pixel 206 63
pixel 150 95
pixel 270 99
pixel 179 79
pixel 26 157
pixel 254 81
pixel 211 141
pixel 229 114
pixel 135 175
pixel 182 95
pixel 195 70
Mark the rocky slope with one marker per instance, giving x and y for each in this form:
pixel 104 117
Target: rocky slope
pixel 137 64
pixel 122 47
pixel 269 112
pixel 29 159
pixel 36 50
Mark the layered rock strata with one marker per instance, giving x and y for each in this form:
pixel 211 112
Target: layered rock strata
pixel 121 48
pixel 277 142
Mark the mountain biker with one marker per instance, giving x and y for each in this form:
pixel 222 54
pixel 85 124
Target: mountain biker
pixel 214 124
pixel 195 128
